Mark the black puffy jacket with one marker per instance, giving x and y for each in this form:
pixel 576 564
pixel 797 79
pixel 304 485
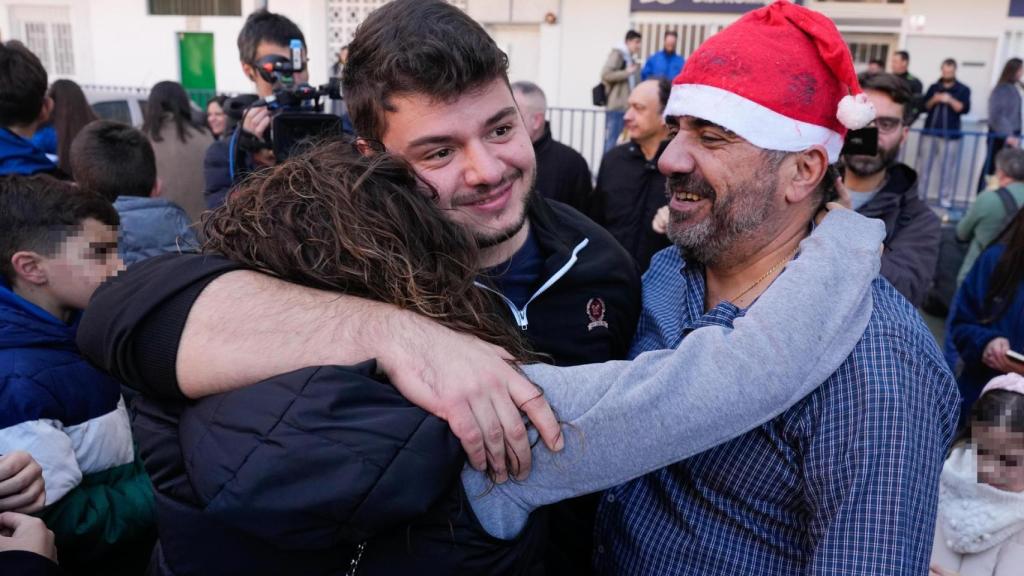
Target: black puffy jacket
pixel 292 475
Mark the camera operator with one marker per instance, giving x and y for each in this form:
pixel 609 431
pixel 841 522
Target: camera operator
pixel 264 34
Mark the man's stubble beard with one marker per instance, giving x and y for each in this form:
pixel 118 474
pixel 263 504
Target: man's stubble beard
pixel 491 240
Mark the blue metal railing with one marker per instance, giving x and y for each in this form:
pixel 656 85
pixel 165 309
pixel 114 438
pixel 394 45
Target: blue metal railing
pixel 949 165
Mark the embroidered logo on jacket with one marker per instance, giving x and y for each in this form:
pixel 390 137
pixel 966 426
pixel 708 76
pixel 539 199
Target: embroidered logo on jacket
pixel 595 311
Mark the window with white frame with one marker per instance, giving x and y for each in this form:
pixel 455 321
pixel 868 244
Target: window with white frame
pixel 47 32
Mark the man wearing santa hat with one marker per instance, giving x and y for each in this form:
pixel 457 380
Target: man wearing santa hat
pixel 846 481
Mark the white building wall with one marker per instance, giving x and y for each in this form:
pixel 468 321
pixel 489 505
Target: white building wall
pixel 117 42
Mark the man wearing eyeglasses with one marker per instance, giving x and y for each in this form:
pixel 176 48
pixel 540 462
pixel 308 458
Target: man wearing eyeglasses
pixel 882 187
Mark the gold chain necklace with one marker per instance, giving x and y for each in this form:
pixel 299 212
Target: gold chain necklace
pixel 770 271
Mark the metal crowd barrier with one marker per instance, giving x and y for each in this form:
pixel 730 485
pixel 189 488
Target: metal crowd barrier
pixel 949 165
pixel 581 129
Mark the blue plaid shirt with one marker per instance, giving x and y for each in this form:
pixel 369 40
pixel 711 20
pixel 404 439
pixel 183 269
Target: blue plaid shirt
pixel 844 482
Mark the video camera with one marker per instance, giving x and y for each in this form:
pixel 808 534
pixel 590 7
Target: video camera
pixel 298 109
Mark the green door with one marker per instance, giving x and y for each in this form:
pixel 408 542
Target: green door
pixel 195 52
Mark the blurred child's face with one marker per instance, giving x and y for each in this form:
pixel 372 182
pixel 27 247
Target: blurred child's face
pixel 1000 457
pixel 83 261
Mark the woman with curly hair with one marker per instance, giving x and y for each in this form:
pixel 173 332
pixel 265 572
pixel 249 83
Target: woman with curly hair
pixel 329 470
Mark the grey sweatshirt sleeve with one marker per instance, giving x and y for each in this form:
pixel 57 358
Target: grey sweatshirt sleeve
pixel 625 419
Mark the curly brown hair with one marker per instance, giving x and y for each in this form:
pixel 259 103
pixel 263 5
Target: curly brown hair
pixel 333 219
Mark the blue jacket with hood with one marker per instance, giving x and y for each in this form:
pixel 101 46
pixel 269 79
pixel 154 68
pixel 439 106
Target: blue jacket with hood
pixel 21 156
pixel 71 418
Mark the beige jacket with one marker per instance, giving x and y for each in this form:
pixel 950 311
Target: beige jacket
pixel 179 165
pixel 1006 559
pixel 616 80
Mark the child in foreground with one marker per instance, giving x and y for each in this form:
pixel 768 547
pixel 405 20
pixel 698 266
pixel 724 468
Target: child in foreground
pixel 57 244
pixel 980 529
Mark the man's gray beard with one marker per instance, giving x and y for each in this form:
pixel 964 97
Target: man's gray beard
pixel 865 166
pixel 743 210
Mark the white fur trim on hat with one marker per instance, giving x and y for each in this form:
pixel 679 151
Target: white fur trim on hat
pixel 759 125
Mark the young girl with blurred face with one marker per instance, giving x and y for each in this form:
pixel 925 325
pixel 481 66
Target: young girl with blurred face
pixel 980 529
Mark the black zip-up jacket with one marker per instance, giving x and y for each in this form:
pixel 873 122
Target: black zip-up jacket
pixel 314 472
pixel 629 192
pixel 586 311
pixel 588 304
pixel 912 234
pixel 562 173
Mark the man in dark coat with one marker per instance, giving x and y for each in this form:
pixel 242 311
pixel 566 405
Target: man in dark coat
pixel 630 189
pixel 900 65
pixel 881 187
pixel 562 173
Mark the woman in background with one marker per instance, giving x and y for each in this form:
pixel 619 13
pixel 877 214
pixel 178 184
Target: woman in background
pixel 179 144
pixel 987 319
pixel 71 112
pixel 217 121
pixel 1004 115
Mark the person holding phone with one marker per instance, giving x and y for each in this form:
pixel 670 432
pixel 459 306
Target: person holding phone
pixel 987 316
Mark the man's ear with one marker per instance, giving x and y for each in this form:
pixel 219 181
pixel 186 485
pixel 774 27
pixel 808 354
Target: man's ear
pixel 28 267
pixel 365 147
pixel 158 189
pixel 809 167
pixel 249 71
pixel 45 112
pixel 537 121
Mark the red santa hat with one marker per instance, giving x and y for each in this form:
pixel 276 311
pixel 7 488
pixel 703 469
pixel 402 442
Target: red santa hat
pixel 781 77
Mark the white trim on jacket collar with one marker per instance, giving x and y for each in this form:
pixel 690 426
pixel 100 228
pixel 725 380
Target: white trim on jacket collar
pixel 759 125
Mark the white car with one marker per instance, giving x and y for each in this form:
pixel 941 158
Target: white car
pixel 121 104
pixel 126 105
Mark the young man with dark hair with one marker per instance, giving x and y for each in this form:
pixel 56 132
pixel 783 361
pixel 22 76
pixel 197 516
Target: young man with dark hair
pixel 939 151
pixel 630 190
pixel 665 63
pixel 24 107
pixel 882 187
pixel 263 34
pixel 620 74
pixel 439 97
pixel 562 173
pixel 117 162
pixel 58 244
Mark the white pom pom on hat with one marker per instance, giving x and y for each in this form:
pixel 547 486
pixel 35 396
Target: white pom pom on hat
pixel 855 111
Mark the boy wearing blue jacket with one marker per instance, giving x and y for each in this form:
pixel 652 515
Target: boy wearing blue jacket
pixel 24 107
pixel 117 162
pixel 57 244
